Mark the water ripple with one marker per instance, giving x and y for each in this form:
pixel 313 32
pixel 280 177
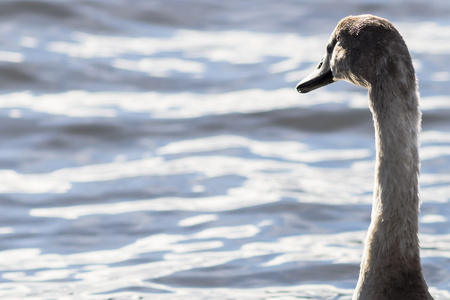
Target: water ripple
pixel 159 150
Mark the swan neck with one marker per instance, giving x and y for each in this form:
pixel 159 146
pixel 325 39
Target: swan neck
pixel 397 121
pixel 391 249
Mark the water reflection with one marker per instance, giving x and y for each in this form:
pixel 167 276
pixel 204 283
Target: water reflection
pixel 160 151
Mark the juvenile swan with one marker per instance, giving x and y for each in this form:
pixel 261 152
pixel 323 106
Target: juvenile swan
pixel 368 51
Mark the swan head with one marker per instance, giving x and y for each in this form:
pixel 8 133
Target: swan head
pixel 361 50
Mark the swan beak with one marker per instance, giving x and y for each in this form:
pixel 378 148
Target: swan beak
pixel 320 77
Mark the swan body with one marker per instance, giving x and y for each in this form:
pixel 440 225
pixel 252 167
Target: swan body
pixel 368 51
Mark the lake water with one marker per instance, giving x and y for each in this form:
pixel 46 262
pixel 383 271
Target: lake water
pixel 158 149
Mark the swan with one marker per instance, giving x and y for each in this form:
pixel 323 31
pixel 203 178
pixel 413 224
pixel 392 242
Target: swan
pixel 368 51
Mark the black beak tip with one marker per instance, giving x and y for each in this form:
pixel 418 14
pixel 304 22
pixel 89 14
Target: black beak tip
pixel 304 87
pixel 315 81
pixel 301 89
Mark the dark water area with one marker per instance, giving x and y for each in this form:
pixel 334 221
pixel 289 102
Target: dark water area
pixel 159 150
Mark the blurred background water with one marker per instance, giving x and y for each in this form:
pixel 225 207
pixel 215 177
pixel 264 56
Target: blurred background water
pixel 158 149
